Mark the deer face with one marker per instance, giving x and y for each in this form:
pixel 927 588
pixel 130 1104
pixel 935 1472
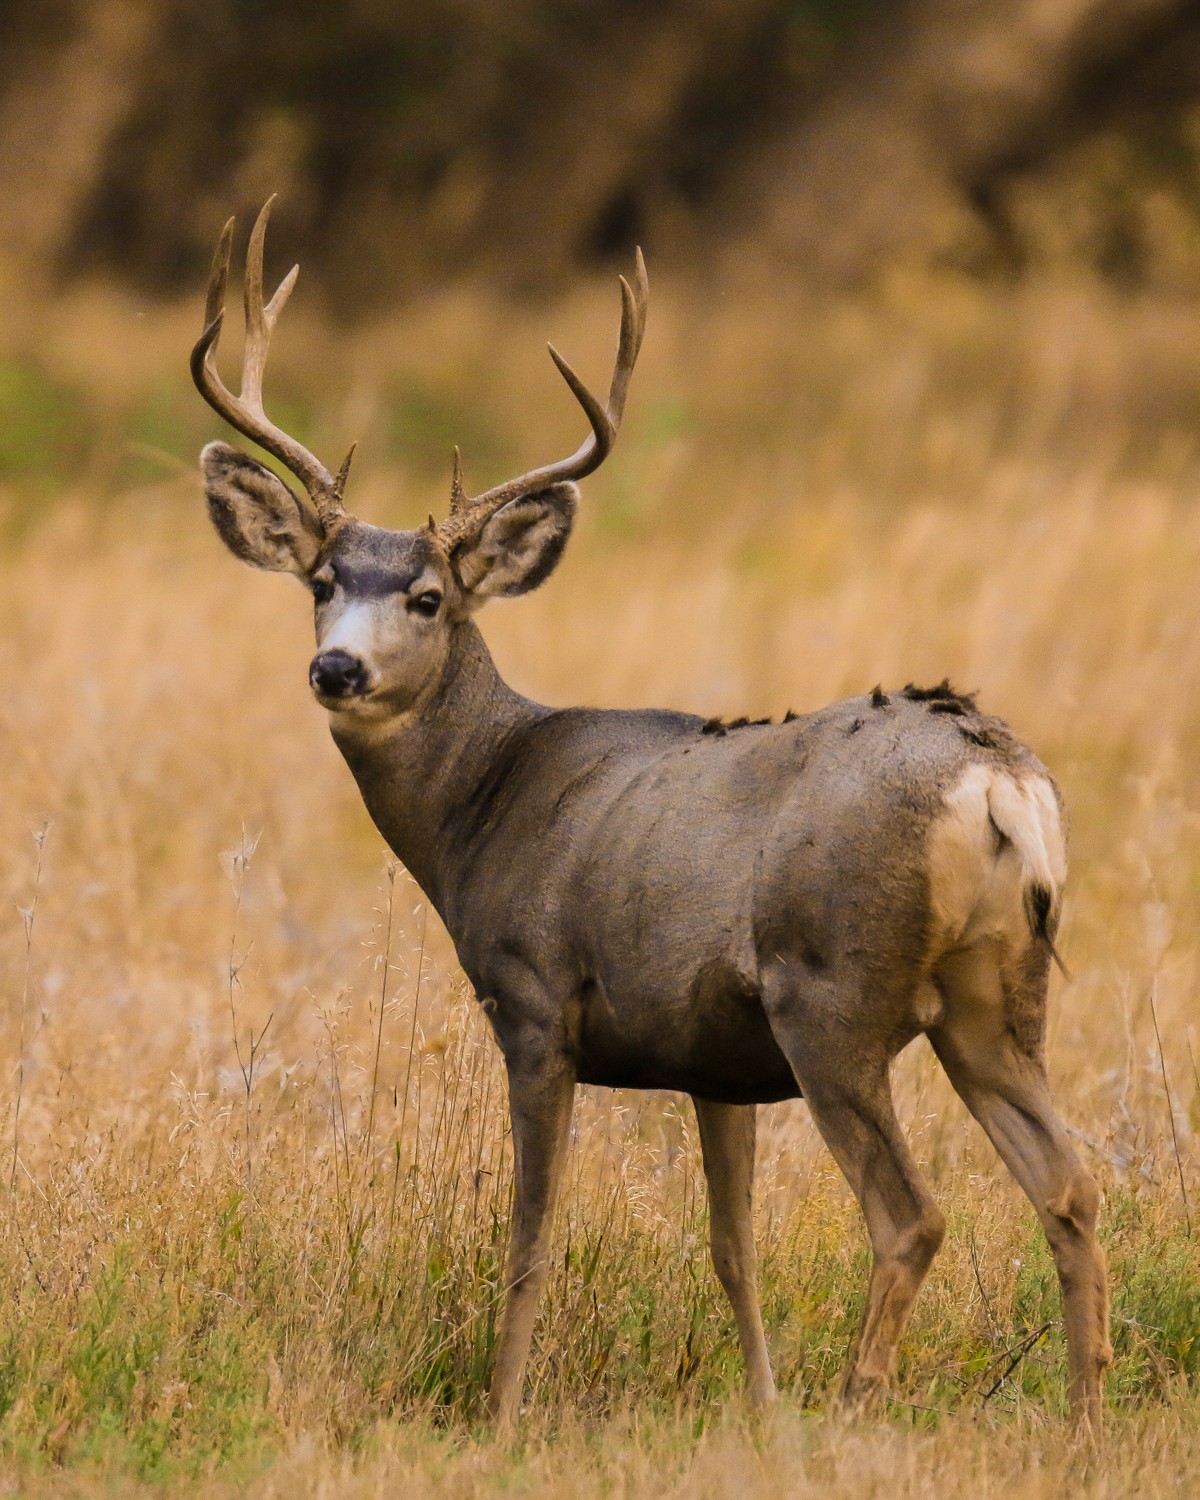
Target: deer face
pixel 385 603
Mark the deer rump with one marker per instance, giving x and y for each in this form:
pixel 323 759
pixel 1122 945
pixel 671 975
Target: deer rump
pixel 684 883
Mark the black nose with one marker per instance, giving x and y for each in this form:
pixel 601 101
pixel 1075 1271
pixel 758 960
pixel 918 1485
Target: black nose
pixel 337 674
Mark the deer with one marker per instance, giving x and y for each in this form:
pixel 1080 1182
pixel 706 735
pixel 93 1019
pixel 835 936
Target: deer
pixel 645 899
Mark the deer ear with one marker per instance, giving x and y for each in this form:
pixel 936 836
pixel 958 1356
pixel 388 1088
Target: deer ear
pixel 258 517
pixel 519 546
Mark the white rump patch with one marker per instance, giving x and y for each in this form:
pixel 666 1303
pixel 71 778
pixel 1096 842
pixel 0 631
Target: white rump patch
pixel 978 882
pixel 1027 813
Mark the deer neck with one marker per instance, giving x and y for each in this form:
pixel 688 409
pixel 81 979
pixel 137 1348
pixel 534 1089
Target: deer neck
pixel 420 772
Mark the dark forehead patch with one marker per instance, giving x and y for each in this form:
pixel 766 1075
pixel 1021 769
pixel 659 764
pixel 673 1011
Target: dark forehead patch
pixel 369 561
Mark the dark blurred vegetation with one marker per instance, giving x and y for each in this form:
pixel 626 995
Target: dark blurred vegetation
pixel 522 142
pixel 974 217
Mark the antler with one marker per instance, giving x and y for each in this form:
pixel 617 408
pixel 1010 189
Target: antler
pixel 468 516
pixel 245 412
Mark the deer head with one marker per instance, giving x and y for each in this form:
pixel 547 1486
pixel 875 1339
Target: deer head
pixel 385 602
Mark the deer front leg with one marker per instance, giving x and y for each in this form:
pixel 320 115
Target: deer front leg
pixel 539 1100
pixel 727 1134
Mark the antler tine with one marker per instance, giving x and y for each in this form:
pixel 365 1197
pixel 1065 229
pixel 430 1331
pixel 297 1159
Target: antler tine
pixel 344 472
pixel 458 496
pixel 245 412
pixel 634 302
pixel 260 320
pixel 596 447
pixel 214 302
pixel 468 516
pixel 205 347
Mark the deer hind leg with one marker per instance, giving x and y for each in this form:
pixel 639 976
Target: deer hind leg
pixel 990 1043
pixel 540 1104
pixel 727 1134
pixel 851 1102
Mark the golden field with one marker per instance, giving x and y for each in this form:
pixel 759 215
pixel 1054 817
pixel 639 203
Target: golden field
pixel 253 1167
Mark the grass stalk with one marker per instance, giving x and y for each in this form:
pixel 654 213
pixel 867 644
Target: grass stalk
pixel 28 915
pixel 1162 1063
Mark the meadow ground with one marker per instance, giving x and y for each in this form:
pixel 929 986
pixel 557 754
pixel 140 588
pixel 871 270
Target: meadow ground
pixel 253 1165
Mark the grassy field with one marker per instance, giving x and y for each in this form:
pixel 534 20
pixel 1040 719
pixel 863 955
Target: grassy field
pixel 254 1177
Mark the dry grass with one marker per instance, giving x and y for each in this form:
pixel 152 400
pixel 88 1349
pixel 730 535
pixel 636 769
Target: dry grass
pixel 287 1276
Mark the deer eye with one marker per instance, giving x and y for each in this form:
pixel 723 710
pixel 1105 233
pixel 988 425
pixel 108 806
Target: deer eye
pixel 426 604
pixel 322 590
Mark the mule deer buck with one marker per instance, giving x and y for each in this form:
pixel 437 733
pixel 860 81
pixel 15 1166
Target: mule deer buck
pixel 645 900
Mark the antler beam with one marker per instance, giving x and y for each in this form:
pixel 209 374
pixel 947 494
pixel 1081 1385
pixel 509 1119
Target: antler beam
pixel 468 516
pixel 245 412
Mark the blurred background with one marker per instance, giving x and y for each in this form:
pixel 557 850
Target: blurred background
pixel 919 397
pixel 998 201
pixel 1004 198
pixel 525 145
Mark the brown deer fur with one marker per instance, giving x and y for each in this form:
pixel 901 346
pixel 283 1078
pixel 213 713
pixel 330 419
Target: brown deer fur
pixel 746 913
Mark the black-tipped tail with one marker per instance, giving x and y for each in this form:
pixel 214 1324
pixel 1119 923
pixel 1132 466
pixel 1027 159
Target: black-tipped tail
pixel 1039 907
